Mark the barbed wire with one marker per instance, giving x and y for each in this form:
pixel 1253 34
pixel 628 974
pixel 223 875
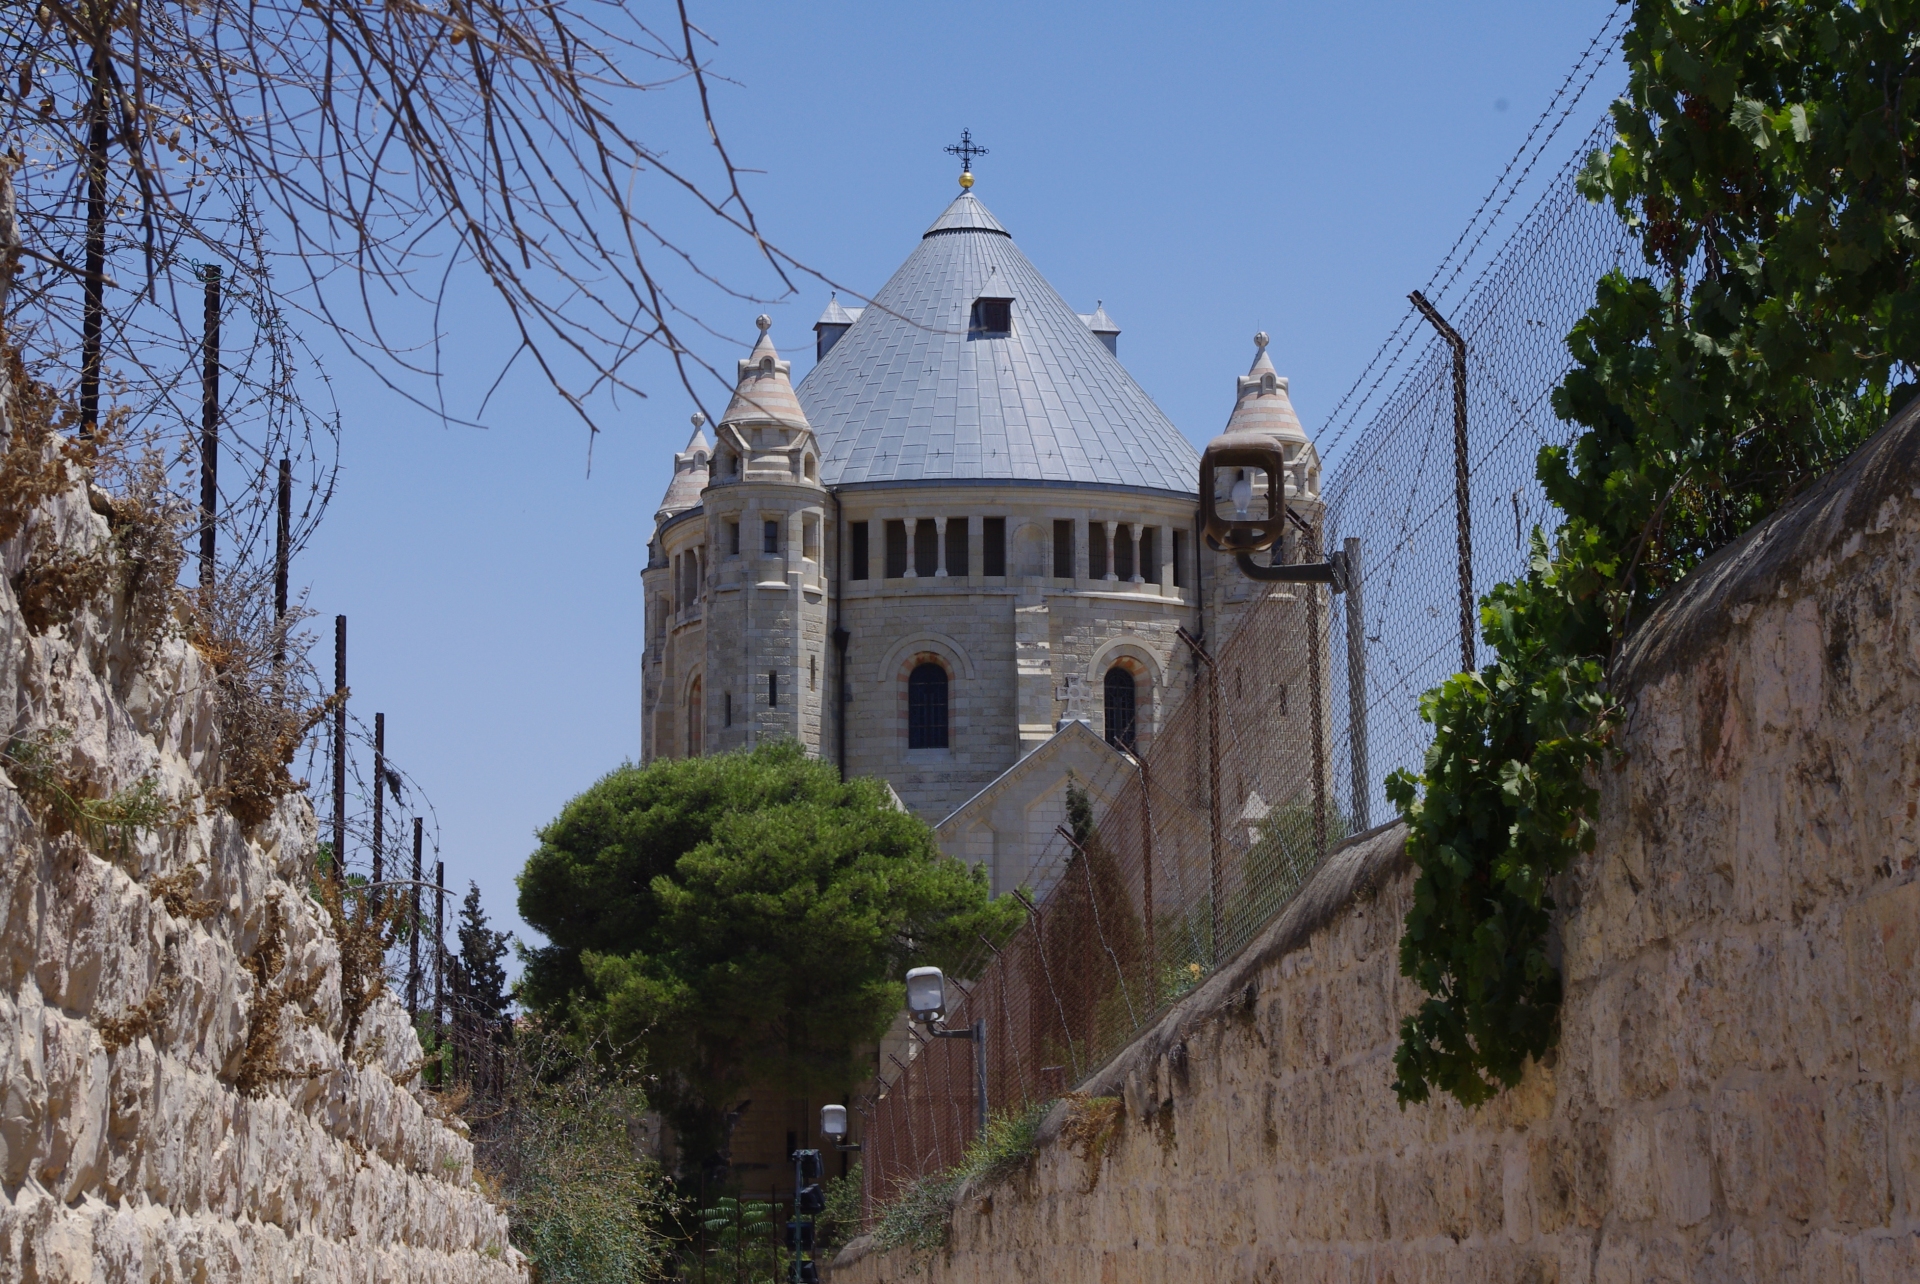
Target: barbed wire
pixel 1559 110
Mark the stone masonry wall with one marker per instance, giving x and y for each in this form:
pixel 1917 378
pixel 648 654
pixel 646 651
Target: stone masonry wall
pixel 126 1151
pixel 1736 1092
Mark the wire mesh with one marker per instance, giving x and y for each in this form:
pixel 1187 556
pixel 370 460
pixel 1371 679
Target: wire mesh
pixel 1278 751
pixel 1393 488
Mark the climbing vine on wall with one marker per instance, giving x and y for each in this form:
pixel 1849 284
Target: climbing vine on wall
pixel 1765 161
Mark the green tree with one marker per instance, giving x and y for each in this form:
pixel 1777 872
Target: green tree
pixel 741 918
pixel 481 949
pixel 1764 159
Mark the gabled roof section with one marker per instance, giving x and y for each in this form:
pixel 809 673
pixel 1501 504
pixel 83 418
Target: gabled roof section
pixel 909 396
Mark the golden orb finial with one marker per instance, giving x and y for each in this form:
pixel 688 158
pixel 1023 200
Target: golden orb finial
pixel 966 179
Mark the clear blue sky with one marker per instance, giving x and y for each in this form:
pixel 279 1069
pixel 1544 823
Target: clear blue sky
pixel 1207 171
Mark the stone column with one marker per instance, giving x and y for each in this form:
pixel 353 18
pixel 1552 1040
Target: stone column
pixel 1133 533
pixel 940 547
pixel 1112 575
pixel 913 544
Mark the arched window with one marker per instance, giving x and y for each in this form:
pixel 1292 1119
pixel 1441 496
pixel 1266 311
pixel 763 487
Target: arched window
pixel 1121 722
pixel 927 707
pixel 696 720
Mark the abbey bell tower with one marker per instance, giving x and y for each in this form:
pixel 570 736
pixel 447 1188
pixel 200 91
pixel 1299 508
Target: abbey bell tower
pixel 766 613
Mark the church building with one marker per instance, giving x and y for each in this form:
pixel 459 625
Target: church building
pixel 957 556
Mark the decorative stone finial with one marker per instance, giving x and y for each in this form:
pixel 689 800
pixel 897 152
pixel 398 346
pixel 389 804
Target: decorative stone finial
pixel 764 321
pixel 699 421
pixel 1260 339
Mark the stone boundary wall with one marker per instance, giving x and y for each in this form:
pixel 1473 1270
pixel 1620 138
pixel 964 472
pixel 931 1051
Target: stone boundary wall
pixel 126 1151
pixel 1736 1093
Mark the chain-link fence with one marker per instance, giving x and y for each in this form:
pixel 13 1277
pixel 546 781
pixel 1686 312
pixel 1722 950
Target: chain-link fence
pixel 1399 489
pixel 1279 751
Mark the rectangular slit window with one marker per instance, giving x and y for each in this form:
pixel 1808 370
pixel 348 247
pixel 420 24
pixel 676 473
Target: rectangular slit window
pixel 1179 558
pixel 773 691
pixel 1063 550
pixel 813 673
pixel 857 558
pixel 770 538
pixel 1123 553
pixel 896 549
pixel 956 546
pixel 729 708
pixel 993 546
pixel 1150 554
pixel 1096 550
pixel 733 539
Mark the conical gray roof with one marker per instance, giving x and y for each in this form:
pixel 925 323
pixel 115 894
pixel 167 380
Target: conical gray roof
pixel 908 395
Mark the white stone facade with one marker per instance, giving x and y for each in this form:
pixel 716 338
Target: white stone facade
pixel 1033 597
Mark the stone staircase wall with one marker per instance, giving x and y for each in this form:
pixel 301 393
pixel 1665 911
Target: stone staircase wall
pixel 128 1150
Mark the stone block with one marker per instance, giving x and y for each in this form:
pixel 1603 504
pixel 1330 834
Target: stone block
pixel 1860 1191
pixel 1882 936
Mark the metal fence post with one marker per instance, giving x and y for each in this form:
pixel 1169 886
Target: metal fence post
pixel 440 964
pixel 1357 688
pixel 209 426
pixel 340 748
pixel 413 931
pixel 1462 516
pixel 980 1067
pixel 282 537
pixel 379 809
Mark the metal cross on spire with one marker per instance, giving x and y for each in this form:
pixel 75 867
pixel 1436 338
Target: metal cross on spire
pixel 966 151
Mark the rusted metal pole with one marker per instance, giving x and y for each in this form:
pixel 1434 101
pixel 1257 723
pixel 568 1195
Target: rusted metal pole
pixel 340 747
pixel 93 307
pixel 379 790
pixel 413 930
pixel 282 538
pixel 1146 880
pixel 1216 874
pixel 1352 552
pixel 209 425
pixel 439 962
pixel 1462 516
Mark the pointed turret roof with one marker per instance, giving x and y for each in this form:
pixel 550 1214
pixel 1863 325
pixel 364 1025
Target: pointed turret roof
pixel 689 474
pixel 763 393
pixel 1100 322
pixel 909 395
pixel 837 315
pixel 1263 405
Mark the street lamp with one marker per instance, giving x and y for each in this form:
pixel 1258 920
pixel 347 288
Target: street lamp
pixel 1244 532
pixel 927 1004
pixel 833 1123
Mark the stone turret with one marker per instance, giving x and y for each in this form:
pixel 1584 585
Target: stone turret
pixel 766 531
pixel 1262 406
pixel 689 474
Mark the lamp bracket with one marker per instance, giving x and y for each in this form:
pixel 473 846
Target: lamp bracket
pixel 1331 572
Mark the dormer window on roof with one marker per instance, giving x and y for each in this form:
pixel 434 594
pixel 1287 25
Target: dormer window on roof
pixel 991 318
